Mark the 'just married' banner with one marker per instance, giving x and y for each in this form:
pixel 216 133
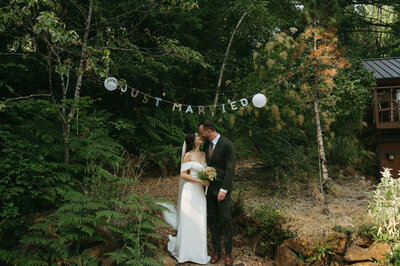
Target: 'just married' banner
pixel 258 100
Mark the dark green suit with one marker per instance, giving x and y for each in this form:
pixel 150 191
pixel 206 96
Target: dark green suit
pixel 219 213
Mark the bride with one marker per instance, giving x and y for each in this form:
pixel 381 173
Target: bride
pixel 190 220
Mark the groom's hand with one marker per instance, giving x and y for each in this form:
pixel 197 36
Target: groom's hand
pixel 221 195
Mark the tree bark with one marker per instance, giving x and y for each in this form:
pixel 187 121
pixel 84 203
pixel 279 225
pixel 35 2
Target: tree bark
pixel 322 158
pixel 221 72
pixel 67 123
pixel 320 140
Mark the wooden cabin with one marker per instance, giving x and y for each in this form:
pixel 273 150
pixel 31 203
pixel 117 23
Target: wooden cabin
pixel 386 111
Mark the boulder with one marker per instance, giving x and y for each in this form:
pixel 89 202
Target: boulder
pixel 377 251
pixel 339 240
pixel 168 261
pixel 285 256
pixel 363 241
pixel 299 246
pixel 356 253
pixel 368 263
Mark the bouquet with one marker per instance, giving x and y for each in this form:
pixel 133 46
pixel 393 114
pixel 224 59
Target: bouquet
pixel 208 174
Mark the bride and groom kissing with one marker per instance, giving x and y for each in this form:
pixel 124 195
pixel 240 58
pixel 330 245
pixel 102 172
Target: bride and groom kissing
pixel 194 208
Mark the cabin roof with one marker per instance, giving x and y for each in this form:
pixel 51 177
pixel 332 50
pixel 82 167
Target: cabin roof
pixel 384 68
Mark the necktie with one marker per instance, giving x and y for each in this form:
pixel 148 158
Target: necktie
pixel 211 149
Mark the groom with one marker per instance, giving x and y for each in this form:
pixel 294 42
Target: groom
pixel 220 154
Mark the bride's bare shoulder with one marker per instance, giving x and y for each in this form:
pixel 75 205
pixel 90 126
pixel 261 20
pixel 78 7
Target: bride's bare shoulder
pixel 187 157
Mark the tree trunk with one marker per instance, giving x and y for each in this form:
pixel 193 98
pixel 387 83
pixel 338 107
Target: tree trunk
pixel 322 158
pixel 67 122
pixel 66 138
pixel 320 140
pixel 221 72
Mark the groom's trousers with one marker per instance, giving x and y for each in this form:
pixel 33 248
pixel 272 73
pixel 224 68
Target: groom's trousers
pixel 219 216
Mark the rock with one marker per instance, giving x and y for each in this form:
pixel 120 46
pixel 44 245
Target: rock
pixel 363 241
pixel 285 256
pixel 356 253
pixel 377 251
pixel 168 261
pixel 339 240
pixel 368 263
pixel 299 246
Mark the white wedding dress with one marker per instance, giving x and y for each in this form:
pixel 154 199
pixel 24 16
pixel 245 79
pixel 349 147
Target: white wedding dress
pixel 190 243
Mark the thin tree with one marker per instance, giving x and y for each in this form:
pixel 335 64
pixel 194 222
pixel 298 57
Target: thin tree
pixel 228 48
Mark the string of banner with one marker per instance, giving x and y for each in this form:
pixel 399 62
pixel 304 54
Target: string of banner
pixel 258 100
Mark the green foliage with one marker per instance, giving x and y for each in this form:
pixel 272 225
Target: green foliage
pixel 95 207
pixel 30 171
pixel 267 223
pixel 31 151
pixel 238 206
pixel 83 223
pixel 283 132
pixel 322 249
pixel 347 230
pixel 354 96
pixel 393 258
pixel 367 230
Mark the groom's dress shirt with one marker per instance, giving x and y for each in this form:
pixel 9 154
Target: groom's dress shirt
pixel 214 143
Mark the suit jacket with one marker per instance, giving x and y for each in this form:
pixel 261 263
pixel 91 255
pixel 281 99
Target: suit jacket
pixel 223 160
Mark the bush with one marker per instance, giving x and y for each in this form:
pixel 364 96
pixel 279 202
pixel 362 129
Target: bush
pixel 385 207
pixel 267 223
pixel 77 230
pixel 85 209
pixel 394 257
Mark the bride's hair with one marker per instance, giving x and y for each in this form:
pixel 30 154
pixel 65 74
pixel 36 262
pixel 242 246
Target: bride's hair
pixel 190 137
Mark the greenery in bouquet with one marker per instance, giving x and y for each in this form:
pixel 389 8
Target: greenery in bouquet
pixel 208 174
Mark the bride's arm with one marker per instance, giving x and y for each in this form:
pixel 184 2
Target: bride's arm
pixel 185 174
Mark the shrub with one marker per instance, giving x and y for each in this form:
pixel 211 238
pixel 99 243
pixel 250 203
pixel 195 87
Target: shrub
pixel 268 224
pixel 394 257
pixel 75 231
pixel 322 250
pixel 385 207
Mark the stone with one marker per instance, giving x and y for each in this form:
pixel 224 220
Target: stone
pixel 299 246
pixel 356 253
pixel 168 261
pixel 285 256
pixel 363 241
pixel 368 263
pixel 377 251
pixel 339 240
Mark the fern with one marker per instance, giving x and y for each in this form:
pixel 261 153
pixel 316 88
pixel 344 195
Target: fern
pixel 102 218
pixel 83 222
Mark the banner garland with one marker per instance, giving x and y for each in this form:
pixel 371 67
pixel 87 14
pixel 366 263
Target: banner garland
pixel 258 100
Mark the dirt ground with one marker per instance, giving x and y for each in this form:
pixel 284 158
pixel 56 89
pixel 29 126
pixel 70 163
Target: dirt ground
pixel 300 203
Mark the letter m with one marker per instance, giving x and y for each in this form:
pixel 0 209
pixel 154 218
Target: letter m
pixel 179 106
